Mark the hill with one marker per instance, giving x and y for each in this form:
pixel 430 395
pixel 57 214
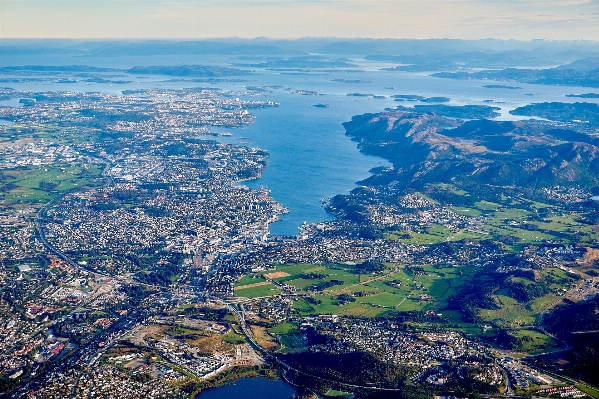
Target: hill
pixel 427 148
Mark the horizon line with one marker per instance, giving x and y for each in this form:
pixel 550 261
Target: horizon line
pixel 288 38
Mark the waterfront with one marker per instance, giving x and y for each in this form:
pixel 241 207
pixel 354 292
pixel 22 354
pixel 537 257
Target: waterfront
pixel 128 236
pixel 310 158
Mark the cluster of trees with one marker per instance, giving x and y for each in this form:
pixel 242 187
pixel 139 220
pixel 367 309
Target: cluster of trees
pixel 323 285
pixel 359 368
pixel 370 266
pixel 526 292
pixel 345 298
pixel 507 340
pixel 585 359
pixel 312 276
pixel 474 295
pixel 573 317
pixel 158 274
pixel 135 294
pixel 206 313
pixel 162 275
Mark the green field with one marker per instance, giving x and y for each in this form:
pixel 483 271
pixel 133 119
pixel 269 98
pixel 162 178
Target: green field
pixel 535 342
pixel 327 306
pixel 40 184
pixel 525 222
pixel 373 295
pixel 283 328
pixel 250 279
pixel 511 313
pixel 432 235
pixel 292 342
pixel 377 294
pixel 260 291
pixel 331 393
pixel 233 338
pixel 592 392
pixel 340 272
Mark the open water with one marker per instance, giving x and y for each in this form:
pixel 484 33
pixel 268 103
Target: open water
pixel 250 388
pixel 310 156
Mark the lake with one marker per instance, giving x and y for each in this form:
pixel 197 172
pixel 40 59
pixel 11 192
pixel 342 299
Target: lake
pixel 250 388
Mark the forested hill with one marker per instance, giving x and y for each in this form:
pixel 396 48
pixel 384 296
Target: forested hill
pixel 427 148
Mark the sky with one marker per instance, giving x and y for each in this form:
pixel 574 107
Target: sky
pixel 187 19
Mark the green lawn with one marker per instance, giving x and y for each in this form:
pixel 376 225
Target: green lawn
pixel 297 269
pixel 328 306
pixel 260 291
pixel 40 184
pixel 339 272
pixel 384 299
pixel 232 338
pixel 293 342
pixel 511 314
pixel 434 234
pixel 594 393
pixel 283 328
pixel 249 279
pixel 331 393
pixel 535 342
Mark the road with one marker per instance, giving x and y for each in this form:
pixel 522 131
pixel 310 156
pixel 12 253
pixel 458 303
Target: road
pixel 269 356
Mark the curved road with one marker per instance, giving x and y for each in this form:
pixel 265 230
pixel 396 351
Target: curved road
pixel 271 357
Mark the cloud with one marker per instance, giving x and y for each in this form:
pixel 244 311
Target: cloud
pixel 468 19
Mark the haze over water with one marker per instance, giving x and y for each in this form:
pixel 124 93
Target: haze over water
pixel 310 156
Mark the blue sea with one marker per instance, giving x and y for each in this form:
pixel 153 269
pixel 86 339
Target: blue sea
pixel 311 158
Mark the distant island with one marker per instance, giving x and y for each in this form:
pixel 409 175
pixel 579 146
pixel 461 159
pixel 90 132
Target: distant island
pixel 502 87
pixel 562 112
pixel 415 97
pixel 56 68
pixel 180 70
pixel 458 112
pixel 301 62
pixel 351 81
pixel 425 67
pixel 586 95
pixel 435 100
pixel 408 97
pixel 579 73
pixel 188 70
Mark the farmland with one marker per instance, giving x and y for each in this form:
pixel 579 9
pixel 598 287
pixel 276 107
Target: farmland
pixel 405 288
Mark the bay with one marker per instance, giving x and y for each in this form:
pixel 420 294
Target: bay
pixel 12 102
pixel 310 156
